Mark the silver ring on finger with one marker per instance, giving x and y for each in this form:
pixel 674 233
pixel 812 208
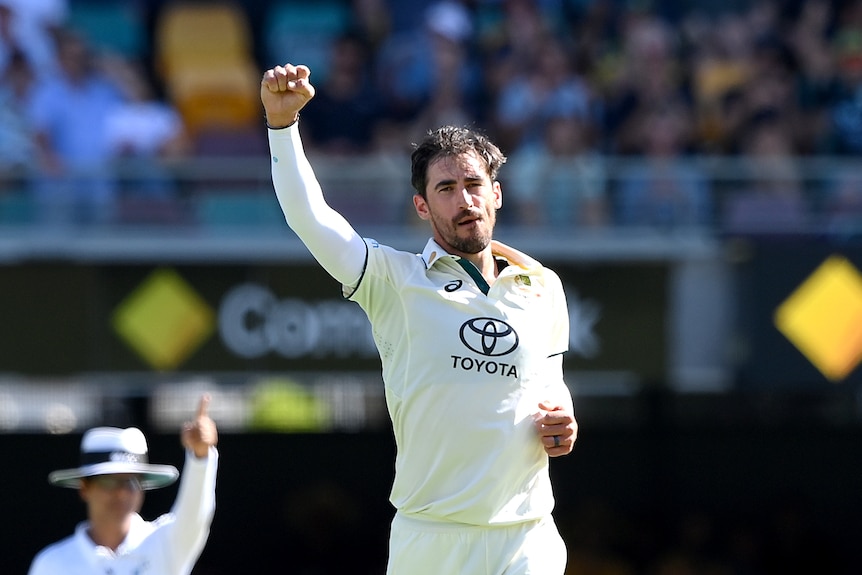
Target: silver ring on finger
pixel 556 440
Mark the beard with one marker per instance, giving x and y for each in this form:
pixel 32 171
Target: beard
pixel 480 234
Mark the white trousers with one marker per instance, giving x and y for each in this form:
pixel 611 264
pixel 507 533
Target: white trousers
pixel 420 547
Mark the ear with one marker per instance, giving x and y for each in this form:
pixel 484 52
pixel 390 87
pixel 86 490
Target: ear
pixel 498 195
pixel 421 206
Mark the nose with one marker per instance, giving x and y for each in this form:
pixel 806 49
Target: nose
pixel 466 198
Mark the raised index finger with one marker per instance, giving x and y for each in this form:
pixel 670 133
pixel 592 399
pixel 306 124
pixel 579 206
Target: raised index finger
pixel 203 406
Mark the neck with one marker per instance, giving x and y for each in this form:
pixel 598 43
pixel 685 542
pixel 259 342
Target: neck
pixel 483 260
pixel 485 263
pixel 110 535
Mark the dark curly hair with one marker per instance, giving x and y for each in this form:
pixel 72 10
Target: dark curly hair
pixel 448 141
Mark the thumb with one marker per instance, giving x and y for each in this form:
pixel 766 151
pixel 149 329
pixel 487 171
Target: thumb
pixel 548 405
pixel 203 406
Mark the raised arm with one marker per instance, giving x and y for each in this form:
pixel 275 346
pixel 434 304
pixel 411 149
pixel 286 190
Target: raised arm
pixel 185 537
pixel 284 91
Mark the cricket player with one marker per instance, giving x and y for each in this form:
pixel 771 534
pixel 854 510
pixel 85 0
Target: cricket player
pixel 111 480
pixel 471 335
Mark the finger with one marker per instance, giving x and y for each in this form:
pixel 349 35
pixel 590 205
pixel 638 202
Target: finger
pixel 203 406
pixel 282 75
pixel 557 420
pixel 556 430
pixel 269 80
pixel 302 72
pixel 290 73
pixel 555 411
pixel 274 79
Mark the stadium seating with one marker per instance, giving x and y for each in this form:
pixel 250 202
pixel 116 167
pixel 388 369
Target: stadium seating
pixel 205 60
pixel 216 97
pixel 191 34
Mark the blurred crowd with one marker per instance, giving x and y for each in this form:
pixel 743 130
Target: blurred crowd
pixel 605 108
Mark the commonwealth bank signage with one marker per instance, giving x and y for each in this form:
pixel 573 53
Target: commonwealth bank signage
pixel 70 318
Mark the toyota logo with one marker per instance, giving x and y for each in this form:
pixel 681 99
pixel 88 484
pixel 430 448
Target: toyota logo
pixel 488 336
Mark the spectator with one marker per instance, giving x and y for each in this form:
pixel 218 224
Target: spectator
pixel 50 14
pixel 17 145
pixel 30 27
pixel 719 69
pixel 544 88
pixel 143 125
pixel 594 27
pixel 70 116
pixel 560 183
pixel 773 88
pixel 407 64
pixel 819 86
pixel 447 103
pixel 347 105
pixel 663 190
pixel 372 22
pixel 513 38
pixel 146 135
pixel 846 113
pixel 773 200
pixel 650 76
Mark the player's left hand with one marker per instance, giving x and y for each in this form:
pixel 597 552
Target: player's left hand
pixel 284 91
pixel 200 434
pixel 557 429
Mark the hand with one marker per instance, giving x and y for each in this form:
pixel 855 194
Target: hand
pixel 284 91
pixel 201 434
pixel 557 423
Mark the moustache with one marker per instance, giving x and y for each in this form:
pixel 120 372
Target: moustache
pixel 468 214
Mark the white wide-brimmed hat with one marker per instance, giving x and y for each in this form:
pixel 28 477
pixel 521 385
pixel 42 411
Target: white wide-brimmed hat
pixel 110 450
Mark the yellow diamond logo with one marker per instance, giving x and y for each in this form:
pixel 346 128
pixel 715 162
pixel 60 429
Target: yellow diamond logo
pixel 164 320
pixel 823 318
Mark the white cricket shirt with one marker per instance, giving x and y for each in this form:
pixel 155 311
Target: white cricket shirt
pixel 464 373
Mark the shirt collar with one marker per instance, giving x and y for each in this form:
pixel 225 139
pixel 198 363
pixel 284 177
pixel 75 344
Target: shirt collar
pixel 137 531
pixel 434 252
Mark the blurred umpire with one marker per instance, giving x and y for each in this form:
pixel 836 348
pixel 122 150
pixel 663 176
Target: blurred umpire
pixel 113 474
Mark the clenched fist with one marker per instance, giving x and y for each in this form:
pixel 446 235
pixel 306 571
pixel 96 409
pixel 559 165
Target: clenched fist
pixel 284 91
